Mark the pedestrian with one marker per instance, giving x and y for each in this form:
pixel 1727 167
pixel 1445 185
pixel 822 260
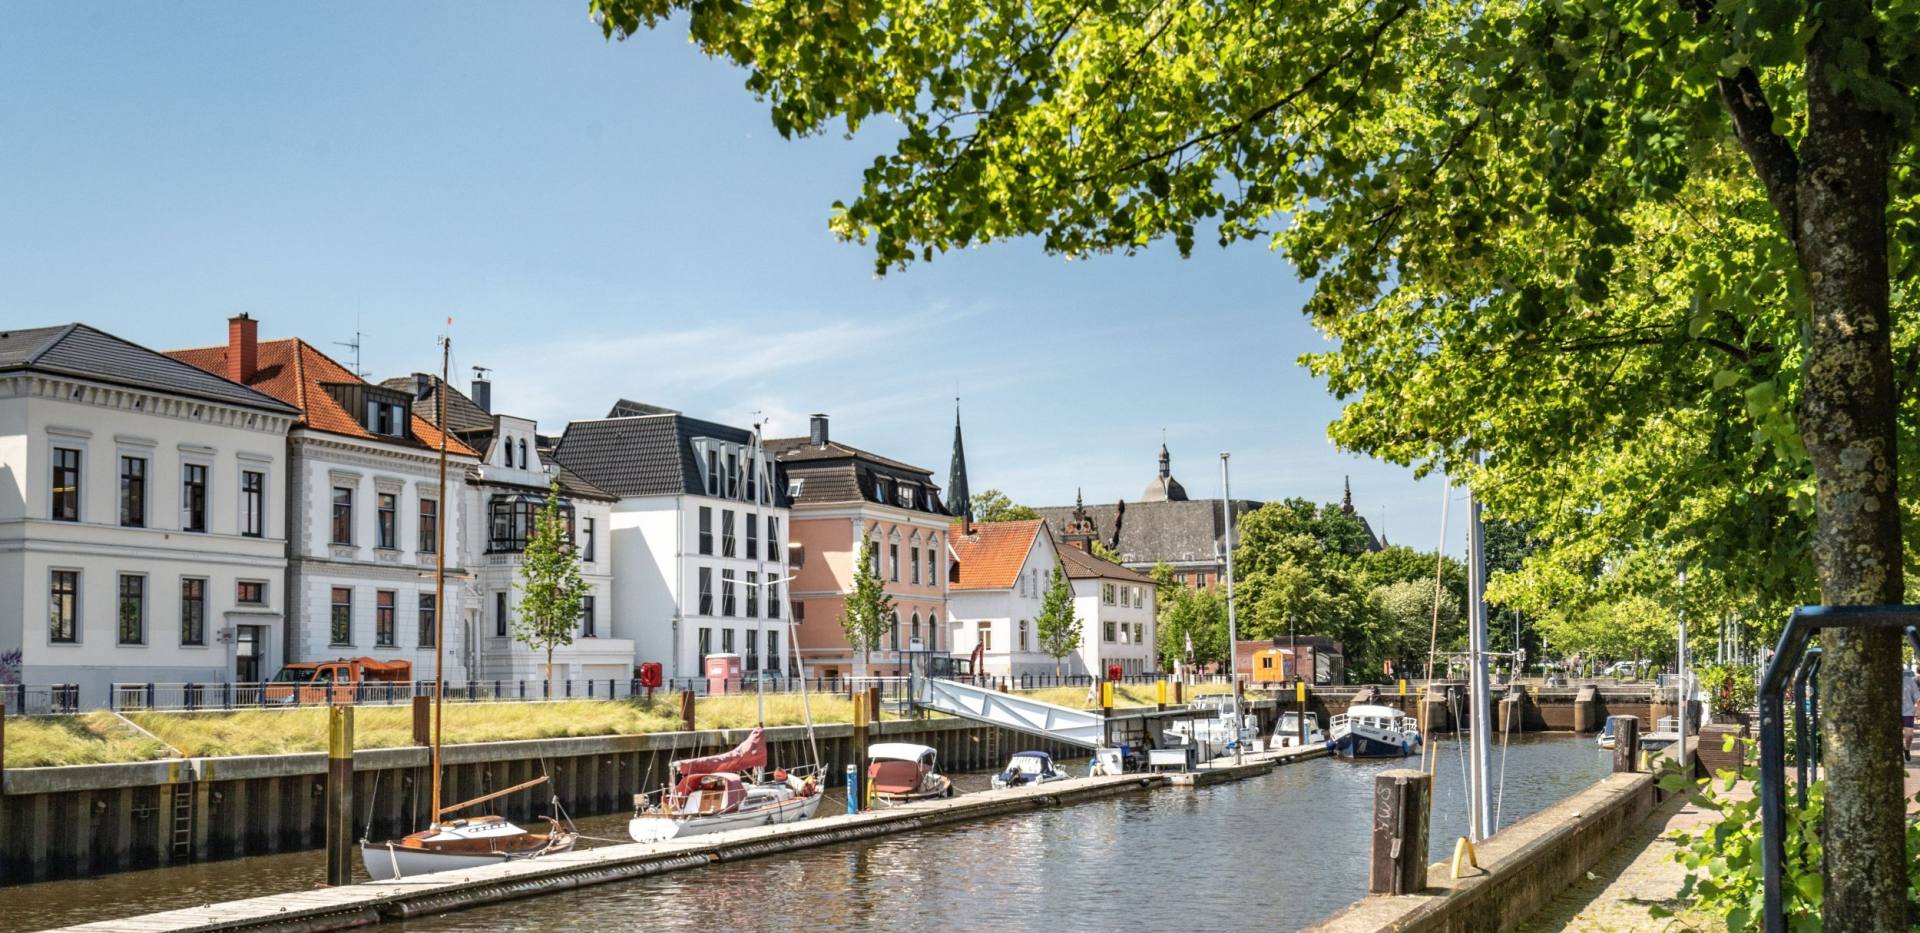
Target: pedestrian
pixel 1909 700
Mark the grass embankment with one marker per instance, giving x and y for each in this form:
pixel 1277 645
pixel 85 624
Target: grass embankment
pixel 1124 695
pixel 87 739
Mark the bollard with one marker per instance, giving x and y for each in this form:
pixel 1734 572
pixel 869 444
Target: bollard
pixel 1300 721
pixel 1400 808
pixel 853 789
pixel 686 710
pixel 1160 694
pixel 340 795
pixel 1177 691
pixel 873 703
pixel 1626 744
pixel 423 720
pixel 1106 699
pixel 859 727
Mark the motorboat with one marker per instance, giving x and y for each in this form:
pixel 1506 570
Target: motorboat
pixel 1216 736
pixel 900 771
pixel 1028 768
pixel 1607 738
pixel 1665 732
pixel 1368 731
pixel 1286 733
pixel 457 844
pixel 715 793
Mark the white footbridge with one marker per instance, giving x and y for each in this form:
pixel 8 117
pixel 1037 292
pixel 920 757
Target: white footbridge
pixel 1084 728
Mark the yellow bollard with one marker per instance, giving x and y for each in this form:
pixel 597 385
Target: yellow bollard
pixel 1160 693
pixel 1403 686
pixel 1300 692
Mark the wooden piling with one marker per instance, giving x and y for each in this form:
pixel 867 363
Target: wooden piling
pixel 340 795
pixel 423 720
pixel 860 726
pixel 1401 799
pixel 1626 744
pixel 873 702
pixel 686 710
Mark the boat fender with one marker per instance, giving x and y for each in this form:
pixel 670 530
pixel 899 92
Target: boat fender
pixel 780 774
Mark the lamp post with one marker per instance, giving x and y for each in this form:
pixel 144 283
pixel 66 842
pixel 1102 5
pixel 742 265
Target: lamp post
pixel 1233 631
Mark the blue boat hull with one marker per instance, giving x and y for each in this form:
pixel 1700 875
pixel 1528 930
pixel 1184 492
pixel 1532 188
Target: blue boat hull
pixel 1355 745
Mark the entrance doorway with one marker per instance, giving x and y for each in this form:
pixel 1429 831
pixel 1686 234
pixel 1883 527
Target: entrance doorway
pixel 249 650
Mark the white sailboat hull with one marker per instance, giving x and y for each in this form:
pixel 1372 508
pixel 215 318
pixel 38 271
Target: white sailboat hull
pixel 389 861
pixel 660 827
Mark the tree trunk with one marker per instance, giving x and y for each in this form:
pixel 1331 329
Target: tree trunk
pixel 1847 419
pixel 549 671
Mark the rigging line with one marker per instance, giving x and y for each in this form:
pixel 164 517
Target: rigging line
pixel 1433 636
pixel 371 809
pixel 1500 792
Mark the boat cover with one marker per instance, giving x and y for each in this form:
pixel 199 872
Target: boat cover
pixel 749 754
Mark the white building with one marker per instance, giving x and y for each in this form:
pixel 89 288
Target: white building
pixel 142 516
pixel 504 492
pixel 699 535
pixel 364 500
pixel 1115 606
pixel 996 593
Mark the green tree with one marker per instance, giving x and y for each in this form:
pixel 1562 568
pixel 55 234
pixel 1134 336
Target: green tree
pixel 1105 553
pixel 868 612
pixel 1056 626
pixel 992 505
pixel 550 585
pixel 1564 235
pixel 1196 614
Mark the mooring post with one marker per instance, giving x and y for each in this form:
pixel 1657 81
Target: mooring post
pixel 1177 691
pixel 1106 699
pixel 687 705
pixel 853 788
pixel 422 720
pixel 339 795
pixel 1586 710
pixel 1626 744
pixel 873 702
pixel 1400 808
pixel 860 727
pixel 1160 694
pixel 1300 720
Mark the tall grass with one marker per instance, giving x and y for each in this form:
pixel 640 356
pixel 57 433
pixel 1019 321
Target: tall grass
pixel 87 739
pixel 1124 695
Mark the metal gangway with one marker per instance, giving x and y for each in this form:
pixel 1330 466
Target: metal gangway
pixel 1085 728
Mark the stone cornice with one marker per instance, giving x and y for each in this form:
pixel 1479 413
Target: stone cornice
pixel 147 402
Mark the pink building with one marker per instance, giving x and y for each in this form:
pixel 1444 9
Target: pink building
pixel 843 496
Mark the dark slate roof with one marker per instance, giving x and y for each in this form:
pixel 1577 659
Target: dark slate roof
pixel 645 455
pixel 628 408
pixel 837 472
pixel 1150 532
pixel 463 415
pixel 1081 565
pixel 87 353
pixel 795 449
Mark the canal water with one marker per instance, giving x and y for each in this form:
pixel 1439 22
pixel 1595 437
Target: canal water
pixel 1278 852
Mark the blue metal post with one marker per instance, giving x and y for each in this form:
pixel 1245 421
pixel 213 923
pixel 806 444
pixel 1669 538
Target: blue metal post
pixel 853 788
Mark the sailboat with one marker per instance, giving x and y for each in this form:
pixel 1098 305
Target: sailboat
pixel 474 841
pixel 715 793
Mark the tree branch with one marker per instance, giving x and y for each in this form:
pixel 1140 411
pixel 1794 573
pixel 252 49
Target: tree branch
pixel 1771 154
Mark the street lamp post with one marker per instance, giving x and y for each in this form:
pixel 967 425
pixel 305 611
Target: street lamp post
pixel 1233 631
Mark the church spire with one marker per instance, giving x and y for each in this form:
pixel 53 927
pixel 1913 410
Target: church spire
pixel 1166 461
pixel 959 502
pixel 1346 500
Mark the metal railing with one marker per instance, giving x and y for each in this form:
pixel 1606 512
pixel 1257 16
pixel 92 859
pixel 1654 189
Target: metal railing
pixel 39 699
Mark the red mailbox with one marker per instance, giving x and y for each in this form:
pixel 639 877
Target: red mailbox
pixel 1113 672
pixel 723 673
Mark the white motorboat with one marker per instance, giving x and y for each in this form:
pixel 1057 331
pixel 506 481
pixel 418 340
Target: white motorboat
pixel 1286 733
pixel 1028 768
pixel 711 796
pixel 1368 731
pixel 457 844
pixel 1216 736
pixel 900 771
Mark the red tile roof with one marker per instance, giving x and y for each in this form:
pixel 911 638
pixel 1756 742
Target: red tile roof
pixel 991 557
pixel 292 371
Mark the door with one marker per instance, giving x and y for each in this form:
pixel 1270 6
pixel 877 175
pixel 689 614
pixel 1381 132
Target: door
pixel 249 650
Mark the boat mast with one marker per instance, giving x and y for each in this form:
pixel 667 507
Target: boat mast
pixel 1479 807
pixel 440 566
pixel 760 577
pixel 1233 631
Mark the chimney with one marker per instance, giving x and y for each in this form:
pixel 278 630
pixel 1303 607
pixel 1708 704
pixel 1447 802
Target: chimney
pixel 422 386
pixel 817 431
pixel 243 348
pixel 482 389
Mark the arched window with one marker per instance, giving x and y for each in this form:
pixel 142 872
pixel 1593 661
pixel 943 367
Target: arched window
pixel 893 632
pixel 525 464
pixel 916 627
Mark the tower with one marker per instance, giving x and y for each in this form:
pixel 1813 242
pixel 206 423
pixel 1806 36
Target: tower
pixel 959 501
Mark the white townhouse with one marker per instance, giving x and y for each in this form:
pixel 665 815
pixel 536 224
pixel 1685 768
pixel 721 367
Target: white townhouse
pixel 504 493
pixel 699 535
pixel 1115 606
pixel 364 505
pixel 142 517
pixel 1004 569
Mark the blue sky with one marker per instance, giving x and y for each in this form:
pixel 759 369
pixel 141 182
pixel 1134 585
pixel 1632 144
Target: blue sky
pixel 616 219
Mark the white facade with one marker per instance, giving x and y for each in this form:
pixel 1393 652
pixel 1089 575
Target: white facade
pixel 64 583
pixel 510 469
pixel 358 583
pixel 1004 618
pixel 1117 625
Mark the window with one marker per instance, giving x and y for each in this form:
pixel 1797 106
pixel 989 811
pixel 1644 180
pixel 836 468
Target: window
pixel 733 476
pixel 1139 633
pixel 342 515
pixel 250 592
pixel 63 607
pixel 193 611
pixel 525 464
pixel 753 536
pixel 726 640
pixel 586 540
pixel 427 618
pixel 587 629
pixel 66 485
pixel 753 485
pixel 914 633
pixel 773 538
pixel 933 575
pixel 1124 632
pixel 893 633
pixel 253 503
pixel 1106 594
pixel 773 651
pixel 753 595
pixel 933 632
pixel 799 612
pixel 429 526
pixel 726 533
pixel 986 636
pixel 773 600
pixel 193 497
pixel 753 649
pixel 383 618
pixel 1110 634
pixel 706 646
pixel 706 529
pixel 727 604
pixel 706 592
pixel 342 616
pixel 386 418
pixel 385 533
pixel 893 561
pixel 500 614
pixel 1023 634
pixel 795 486
pixel 913 562
pixel 713 480
pixel 513 519
pixel 133 492
pixel 133 609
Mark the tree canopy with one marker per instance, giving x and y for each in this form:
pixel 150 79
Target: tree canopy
pixel 1056 627
pixel 992 505
pixel 551 591
pixel 867 615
